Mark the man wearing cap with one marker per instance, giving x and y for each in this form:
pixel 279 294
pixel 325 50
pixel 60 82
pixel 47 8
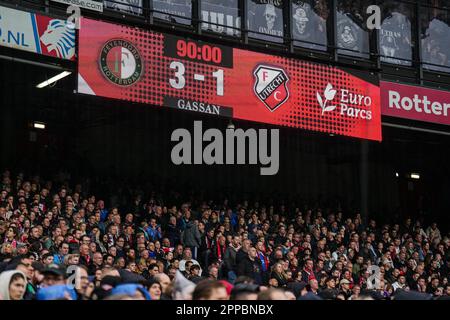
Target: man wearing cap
pixel 53 275
pixel 345 288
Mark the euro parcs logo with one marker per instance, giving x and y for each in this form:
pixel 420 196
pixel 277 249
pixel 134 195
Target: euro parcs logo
pixel 121 62
pixel 350 104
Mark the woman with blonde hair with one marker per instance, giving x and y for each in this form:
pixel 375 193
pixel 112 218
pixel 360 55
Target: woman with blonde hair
pixel 72 259
pixel 7 251
pixel 279 274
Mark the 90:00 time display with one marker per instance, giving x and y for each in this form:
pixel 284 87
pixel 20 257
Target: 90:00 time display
pixel 207 53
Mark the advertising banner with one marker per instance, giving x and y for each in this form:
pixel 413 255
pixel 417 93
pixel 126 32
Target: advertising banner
pixel 164 70
pixel 414 102
pixel 85 4
pixel 36 33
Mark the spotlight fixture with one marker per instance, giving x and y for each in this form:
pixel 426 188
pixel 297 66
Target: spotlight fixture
pixel 53 79
pixel 39 125
pixel 415 176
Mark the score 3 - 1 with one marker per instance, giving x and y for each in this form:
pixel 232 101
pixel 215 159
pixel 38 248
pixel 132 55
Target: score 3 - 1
pixel 179 82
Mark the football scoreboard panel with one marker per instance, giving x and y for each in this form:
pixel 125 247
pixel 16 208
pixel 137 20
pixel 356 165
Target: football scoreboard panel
pixel 165 70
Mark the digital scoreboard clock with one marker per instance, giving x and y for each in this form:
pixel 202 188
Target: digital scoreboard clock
pixel 164 70
pixel 192 50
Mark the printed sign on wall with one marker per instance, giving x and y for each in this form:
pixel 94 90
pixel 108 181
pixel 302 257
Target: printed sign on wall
pixel 36 33
pixel 414 102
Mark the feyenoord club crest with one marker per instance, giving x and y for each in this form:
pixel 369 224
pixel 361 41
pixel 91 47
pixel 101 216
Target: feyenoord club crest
pixel 120 62
pixel 271 86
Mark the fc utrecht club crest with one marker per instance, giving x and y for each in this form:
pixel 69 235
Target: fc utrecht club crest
pixel 120 62
pixel 271 86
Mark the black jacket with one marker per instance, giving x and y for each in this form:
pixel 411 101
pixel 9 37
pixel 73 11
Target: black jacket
pixel 241 255
pixel 173 233
pixel 204 243
pixel 215 256
pixel 252 269
pixel 282 281
pixel 229 259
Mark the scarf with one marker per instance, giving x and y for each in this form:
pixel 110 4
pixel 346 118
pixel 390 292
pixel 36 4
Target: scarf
pixel 264 261
pixel 219 251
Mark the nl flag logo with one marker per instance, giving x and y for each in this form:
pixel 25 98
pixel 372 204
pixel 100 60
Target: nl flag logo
pixel 271 86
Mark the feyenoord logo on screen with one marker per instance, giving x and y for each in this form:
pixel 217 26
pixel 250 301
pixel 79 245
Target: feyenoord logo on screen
pixel 120 62
pixel 271 86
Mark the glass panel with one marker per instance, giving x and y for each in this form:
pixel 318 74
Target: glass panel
pixel 435 37
pixel 395 40
pixel 128 6
pixel 436 3
pixel 221 16
pixel 352 34
pixel 265 18
pixel 309 29
pixel 176 11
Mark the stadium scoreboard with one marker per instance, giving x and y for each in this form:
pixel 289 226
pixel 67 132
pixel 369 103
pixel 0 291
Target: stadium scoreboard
pixel 164 70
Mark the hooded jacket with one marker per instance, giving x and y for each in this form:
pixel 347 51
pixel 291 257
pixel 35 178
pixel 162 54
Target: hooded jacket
pixel 5 281
pixel 191 236
pixel 182 287
pixel 230 258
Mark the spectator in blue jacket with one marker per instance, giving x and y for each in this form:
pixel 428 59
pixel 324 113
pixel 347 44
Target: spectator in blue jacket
pixel 154 231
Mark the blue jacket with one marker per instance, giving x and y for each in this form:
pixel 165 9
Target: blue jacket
pixel 153 234
pixel 103 214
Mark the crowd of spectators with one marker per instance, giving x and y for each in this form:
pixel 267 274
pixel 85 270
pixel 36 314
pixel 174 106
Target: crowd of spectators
pixel 60 241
